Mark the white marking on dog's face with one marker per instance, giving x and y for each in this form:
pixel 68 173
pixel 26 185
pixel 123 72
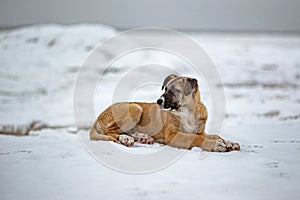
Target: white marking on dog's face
pixel 161 102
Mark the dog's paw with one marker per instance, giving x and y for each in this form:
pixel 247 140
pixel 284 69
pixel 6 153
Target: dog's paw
pixel 146 140
pixel 143 138
pixel 150 140
pixel 220 146
pixel 232 146
pixel 126 140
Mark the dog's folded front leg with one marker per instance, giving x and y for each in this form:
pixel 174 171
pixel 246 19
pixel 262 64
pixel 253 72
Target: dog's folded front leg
pixel 183 140
pixel 188 141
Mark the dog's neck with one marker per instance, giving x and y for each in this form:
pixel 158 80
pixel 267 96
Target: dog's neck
pixel 189 115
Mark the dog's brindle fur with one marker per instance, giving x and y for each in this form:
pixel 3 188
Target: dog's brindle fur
pixel 177 119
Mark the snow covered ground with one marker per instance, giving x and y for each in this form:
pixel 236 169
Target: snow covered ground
pixel 38 68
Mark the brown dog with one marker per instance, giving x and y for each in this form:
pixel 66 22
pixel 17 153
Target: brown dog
pixel 177 119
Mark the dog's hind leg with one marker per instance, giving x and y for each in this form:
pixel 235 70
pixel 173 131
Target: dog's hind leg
pixel 112 136
pixel 97 135
pixel 119 119
pixel 126 117
pixel 126 140
pixel 126 122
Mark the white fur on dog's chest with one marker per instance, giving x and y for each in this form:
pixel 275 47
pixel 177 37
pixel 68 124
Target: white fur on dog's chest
pixel 189 122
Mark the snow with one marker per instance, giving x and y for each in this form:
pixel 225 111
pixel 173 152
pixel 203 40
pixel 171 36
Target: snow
pixel 38 67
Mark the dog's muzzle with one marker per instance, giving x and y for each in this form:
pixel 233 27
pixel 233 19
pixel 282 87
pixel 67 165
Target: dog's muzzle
pixel 166 105
pixel 159 101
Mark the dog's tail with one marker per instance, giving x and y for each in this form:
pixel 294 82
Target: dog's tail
pixel 96 134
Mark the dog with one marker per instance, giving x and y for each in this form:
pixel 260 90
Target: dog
pixel 177 119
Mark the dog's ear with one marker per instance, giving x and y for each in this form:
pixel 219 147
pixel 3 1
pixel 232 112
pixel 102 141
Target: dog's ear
pixel 190 86
pixel 168 79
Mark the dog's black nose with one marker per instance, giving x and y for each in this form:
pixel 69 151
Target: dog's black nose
pixel 159 101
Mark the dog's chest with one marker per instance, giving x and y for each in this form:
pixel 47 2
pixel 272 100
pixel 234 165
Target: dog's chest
pixel 189 123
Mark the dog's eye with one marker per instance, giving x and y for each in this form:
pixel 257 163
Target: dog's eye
pixel 176 90
pixel 166 89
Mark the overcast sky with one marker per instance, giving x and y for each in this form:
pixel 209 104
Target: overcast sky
pixel 232 15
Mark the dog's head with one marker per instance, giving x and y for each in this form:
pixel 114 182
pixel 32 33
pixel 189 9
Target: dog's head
pixel 179 91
